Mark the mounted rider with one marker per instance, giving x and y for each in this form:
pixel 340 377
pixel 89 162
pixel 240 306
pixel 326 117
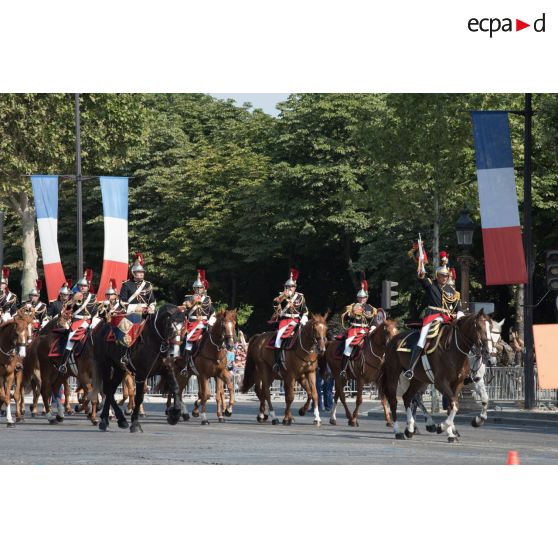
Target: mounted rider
pixel 56 306
pixel 8 300
pixel 136 294
pixel 199 314
pixel 359 318
pixel 83 309
pixel 112 303
pixel 39 307
pixel 290 311
pixel 444 305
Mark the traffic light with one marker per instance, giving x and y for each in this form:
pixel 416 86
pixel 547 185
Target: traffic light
pixel 552 270
pixel 389 297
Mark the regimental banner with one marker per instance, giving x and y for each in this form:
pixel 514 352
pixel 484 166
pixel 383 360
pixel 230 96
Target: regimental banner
pixel 115 211
pixel 45 193
pixel 504 258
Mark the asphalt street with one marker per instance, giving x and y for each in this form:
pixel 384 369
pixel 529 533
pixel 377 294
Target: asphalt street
pixel 241 440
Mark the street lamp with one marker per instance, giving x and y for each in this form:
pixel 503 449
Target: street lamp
pixel 464 228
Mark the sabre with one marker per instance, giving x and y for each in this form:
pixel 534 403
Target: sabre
pixel 421 268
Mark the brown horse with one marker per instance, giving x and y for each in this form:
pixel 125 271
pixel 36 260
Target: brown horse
pixel 129 394
pixel 365 369
pixel 300 363
pixel 211 362
pixel 449 368
pixel 38 367
pixel 14 338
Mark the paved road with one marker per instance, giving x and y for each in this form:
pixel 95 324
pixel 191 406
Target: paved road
pixel 243 441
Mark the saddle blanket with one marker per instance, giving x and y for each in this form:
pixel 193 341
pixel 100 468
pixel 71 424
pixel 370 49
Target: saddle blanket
pixel 125 328
pixel 290 325
pixel 286 344
pixel 410 340
pixel 194 330
pixel 357 349
pixel 59 344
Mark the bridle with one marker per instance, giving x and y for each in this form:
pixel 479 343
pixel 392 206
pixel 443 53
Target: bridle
pixel 315 339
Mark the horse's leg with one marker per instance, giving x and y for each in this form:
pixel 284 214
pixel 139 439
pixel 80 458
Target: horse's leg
pixel 430 424
pixel 204 385
pixel 175 411
pixel 229 380
pixel 9 380
pixel 413 388
pixel 67 407
pixel 390 389
pixel 480 389
pixel 314 393
pixel 138 400
pixel 306 386
pixel 289 398
pixel 182 384
pixel 35 404
pixel 46 393
pixel 18 395
pixel 387 414
pixel 261 417
pixel 333 417
pixel 56 388
pixel 358 402
pixel 448 425
pixel 342 383
pixel 219 398
pixel 266 390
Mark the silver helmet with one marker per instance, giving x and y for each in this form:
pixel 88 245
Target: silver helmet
pixel 138 263
pixel 83 282
pixel 442 270
pixel 291 281
pixel 64 289
pixel 111 290
pixel 363 293
pixel 200 282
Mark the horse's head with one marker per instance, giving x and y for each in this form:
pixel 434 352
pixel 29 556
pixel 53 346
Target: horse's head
pixel 317 328
pixel 167 322
pixel 224 328
pixel 494 335
pixel 475 329
pixel 24 328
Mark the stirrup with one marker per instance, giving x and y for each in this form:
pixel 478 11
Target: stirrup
pixel 62 368
pixel 409 374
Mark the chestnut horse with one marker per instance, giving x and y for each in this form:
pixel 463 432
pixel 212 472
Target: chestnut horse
pixel 14 337
pixel 365 369
pixel 449 364
pixel 300 363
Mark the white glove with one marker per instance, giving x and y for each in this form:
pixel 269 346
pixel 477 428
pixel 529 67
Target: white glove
pixel 45 322
pixel 212 320
pixel 131 308
pixel 460 314
pixel 304 319
pixel 151 308
pixel 6 316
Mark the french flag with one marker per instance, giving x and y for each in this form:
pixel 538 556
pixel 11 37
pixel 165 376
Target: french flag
pixel 114 190
pixel 504 258
pixel 45 193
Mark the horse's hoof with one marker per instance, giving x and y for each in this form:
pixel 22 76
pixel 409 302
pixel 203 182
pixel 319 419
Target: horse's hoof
pixel 317 422
pixel 221 419
pixel 2 413
pixel 142 415
pixel 195 414
pixel 33 415
pixel 456 433
pixel 59 419
pixel 400 436
pixel 123 423
pixel 408 433
pixel 265 417
pixel 103 425
pixel 172 420
pixel 185 416
pixel 452 440
pixel 94 422
pixel 128 412
pixel 10 424
pixel 389 424
pixel 204 422
pixel 53 421
pixel 275 421
pixel 136 427
pixel 431 428
pixel 19 419
pixel 76 408
pixel 112 417
pixel 417 432
pixel 301 411
pixel 259 419
pixel 439 429
pixel 43 413
pixel 477 424
pixel 166 411
pixel 333 422
pixel 227 413
pixel 70 412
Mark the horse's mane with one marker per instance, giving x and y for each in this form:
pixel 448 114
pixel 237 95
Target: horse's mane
pixel 319 319
pixel 4 325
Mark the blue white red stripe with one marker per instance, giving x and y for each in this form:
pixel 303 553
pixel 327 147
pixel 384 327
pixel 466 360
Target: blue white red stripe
pixel 504 258
pixel 114 190
pixel 45 193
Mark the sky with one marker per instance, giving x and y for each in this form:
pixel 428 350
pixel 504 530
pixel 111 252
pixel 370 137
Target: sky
pixel 265 101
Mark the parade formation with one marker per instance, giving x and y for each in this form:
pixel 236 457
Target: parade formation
pixel 127 335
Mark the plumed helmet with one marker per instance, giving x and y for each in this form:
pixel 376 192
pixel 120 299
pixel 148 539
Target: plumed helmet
pixel 86 279
pixel 64 290
pixel 363 288
pixel 201 281
pixel 291 281
pixel 138 263
pixel 111 288
pixel 444 258
pixel 5 275
pixel 36 289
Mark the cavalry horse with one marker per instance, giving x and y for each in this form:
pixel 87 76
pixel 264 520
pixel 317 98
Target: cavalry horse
pixel 41 370
pixel 210 360
pixel 14 338
pixel 365 369
pixel 300 365
pixel 449 369
pixel 142 357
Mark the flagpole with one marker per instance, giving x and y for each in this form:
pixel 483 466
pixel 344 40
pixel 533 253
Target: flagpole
pixel 528 245
pixel 79 190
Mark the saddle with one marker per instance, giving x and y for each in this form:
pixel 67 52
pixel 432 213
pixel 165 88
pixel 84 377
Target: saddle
pixel 432 340
pixel 59 344
pixel 356 352
pixel 286 344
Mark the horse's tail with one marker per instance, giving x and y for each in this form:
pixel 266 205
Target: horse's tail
pixel 249 369
pixel 29 365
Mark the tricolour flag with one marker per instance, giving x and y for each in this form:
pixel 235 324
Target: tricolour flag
pixel 45 193
pixel 114 190
pixel 504 258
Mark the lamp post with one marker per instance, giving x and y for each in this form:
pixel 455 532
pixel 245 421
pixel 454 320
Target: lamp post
pixel 464 228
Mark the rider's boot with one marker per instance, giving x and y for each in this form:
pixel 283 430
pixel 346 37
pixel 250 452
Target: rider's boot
pixel 190 362
pixel 344 363
pixel 277 366
pixel 63 365
pixel 415 355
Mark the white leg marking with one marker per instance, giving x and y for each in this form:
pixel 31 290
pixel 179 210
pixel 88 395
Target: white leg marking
pixel 317 418
pixel 9 418
pixel 272 415
pixel 334 410
pixel 410 420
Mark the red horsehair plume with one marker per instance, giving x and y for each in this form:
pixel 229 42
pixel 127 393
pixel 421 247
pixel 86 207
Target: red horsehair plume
pixel 453 273
pixel 112 283
pixel 139 258
pixel 88 274
pixel 294 273
pixel 39 284
pixel 6 272
pixel 201 273
pixel 363 281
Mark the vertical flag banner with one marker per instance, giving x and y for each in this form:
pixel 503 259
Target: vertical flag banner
pixel 45 192
pixel 504 258
pixel 114 190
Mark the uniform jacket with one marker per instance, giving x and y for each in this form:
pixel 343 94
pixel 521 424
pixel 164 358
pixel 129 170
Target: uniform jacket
pixel 40 308
pixel 145 296
pixel 198 310
pixel 8 302
pixel 440 301
pixel 290 307
pixel 359 320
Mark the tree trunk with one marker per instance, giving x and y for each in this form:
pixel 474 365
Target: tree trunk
pixel 349 261
pixel 519 314
pixel 29 249
pixel 232 301
pixel 436 231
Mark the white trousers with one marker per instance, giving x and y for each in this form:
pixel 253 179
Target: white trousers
pixel 424 332
pixel 280 332
pixel 70 343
